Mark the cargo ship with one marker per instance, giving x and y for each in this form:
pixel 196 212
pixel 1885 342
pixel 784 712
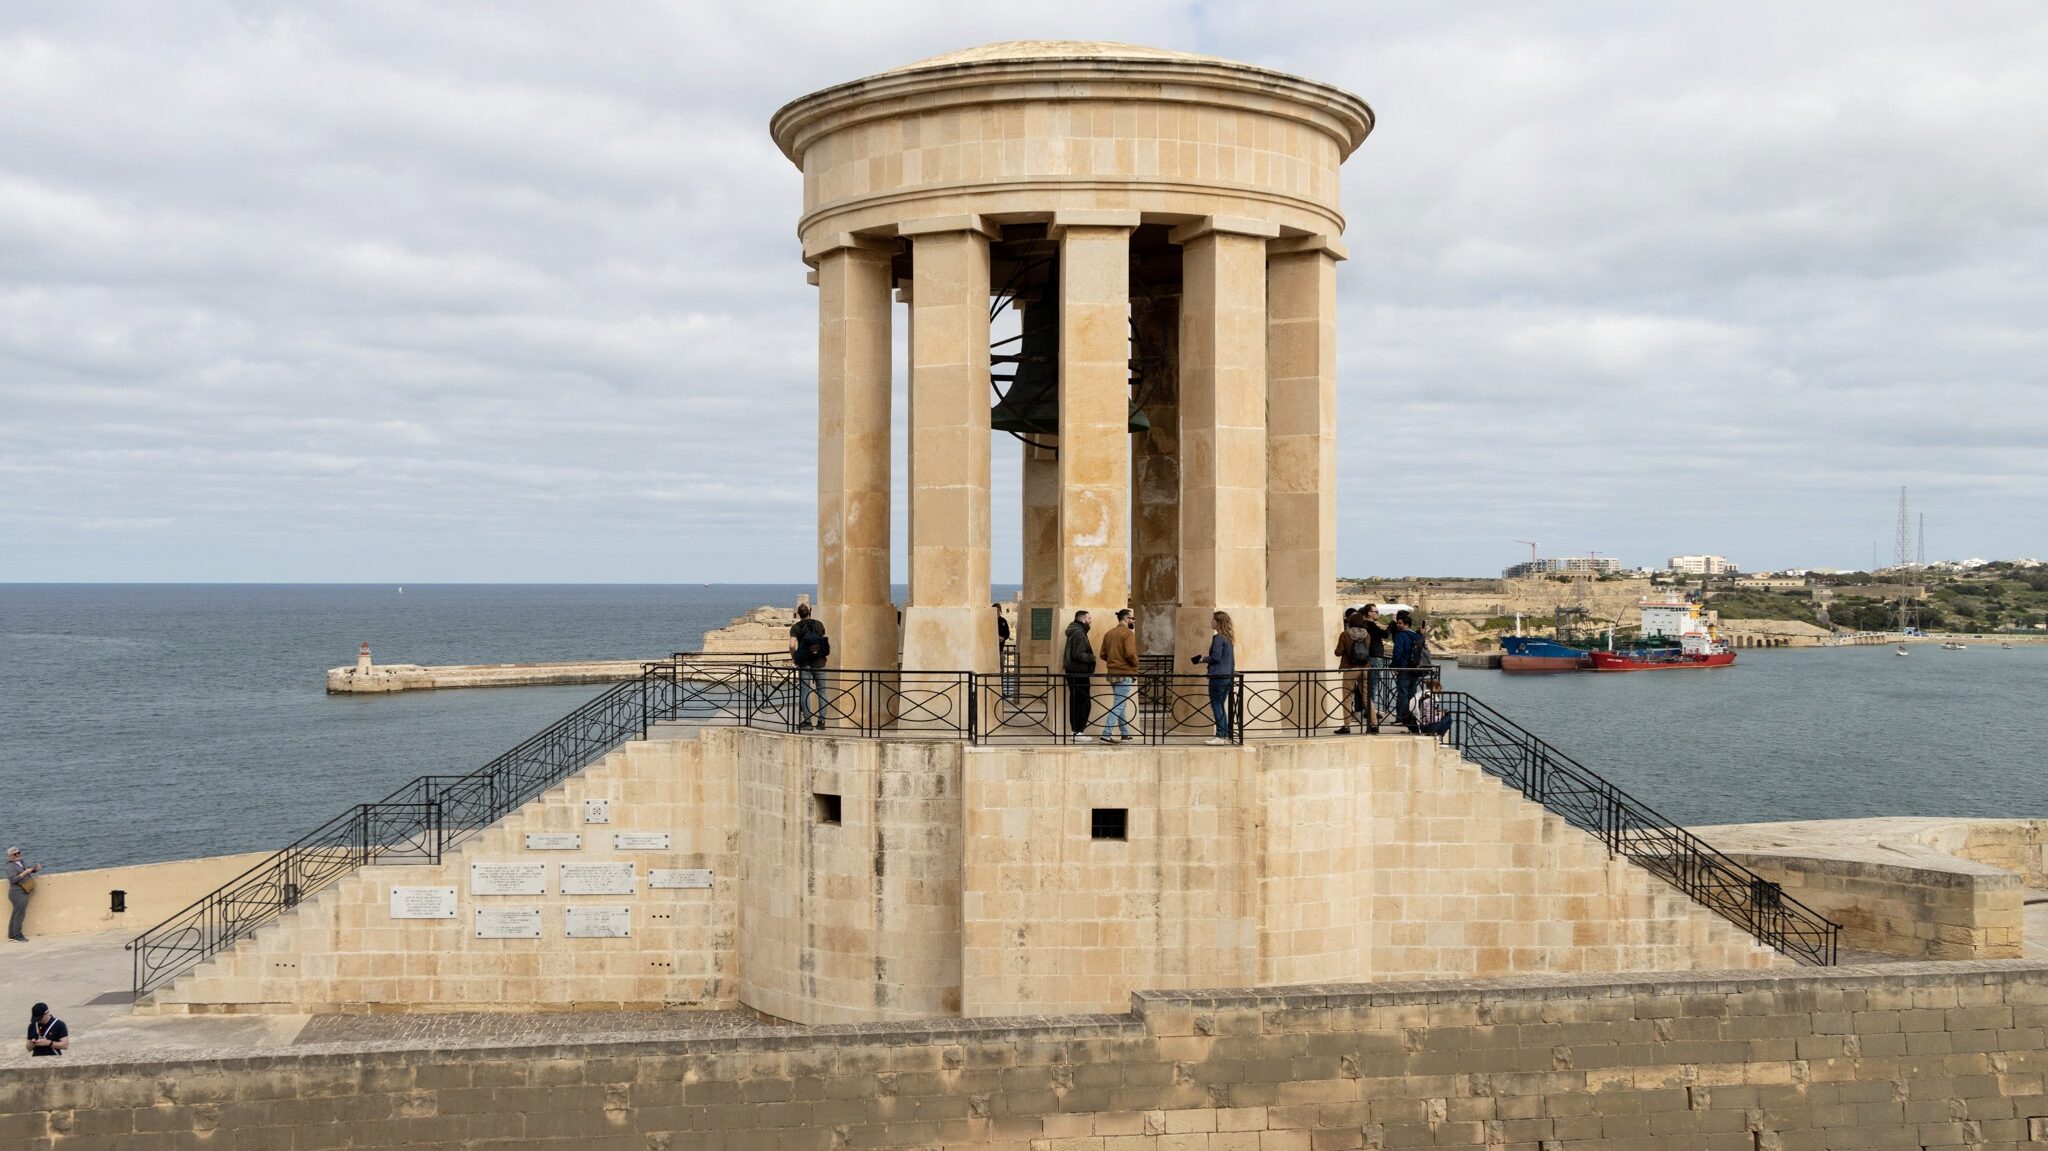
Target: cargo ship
pixel 1538 653
pixel 1674 635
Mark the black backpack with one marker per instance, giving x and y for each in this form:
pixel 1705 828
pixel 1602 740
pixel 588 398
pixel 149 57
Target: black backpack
pixel 1361 648
pixel 812 644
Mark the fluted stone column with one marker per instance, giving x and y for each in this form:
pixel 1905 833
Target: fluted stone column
pixel 1155 479
pixel 853 452
pixel 946 625
pixel 1301 446
pixel 1223 437
pixel 1095 440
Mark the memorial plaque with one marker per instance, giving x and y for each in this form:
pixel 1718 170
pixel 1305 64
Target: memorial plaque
pixel 508 923
pixel 422 903
pixel 639 841
pixel 597 879
pixel 679 877
pixel 508 878
pixel 554 841
pixel 597 811
pixel 597 922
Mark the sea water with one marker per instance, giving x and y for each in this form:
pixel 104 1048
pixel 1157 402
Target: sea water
pixel 147 722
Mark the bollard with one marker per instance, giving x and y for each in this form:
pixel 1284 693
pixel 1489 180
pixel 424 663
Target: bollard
pixel 118 901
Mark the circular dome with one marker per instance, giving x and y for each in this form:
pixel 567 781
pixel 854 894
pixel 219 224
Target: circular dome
pixel 1054 50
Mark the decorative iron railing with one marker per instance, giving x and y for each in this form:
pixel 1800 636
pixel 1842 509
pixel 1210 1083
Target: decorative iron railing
pixel 1630 828
pixel 421 821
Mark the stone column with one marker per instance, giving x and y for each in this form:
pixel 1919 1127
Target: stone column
pixel 946 625
pixel 1155 477
pixel 1041 530
pixel 1095 397
pixel 853 452
pixel 1223 437
pixel 1301 447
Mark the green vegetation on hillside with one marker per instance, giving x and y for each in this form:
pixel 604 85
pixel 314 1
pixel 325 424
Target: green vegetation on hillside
pixel 1763 603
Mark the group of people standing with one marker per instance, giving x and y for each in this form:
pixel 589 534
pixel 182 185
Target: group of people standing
pixel 1365 646
pixel 1383 664
pixel 1120 663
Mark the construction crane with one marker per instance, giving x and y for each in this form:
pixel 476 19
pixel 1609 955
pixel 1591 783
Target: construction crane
pixel 1532 552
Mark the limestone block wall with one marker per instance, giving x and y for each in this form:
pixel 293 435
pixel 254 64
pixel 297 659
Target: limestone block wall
pixel 76 902
pixel 1936 908
pixel 1909 1056
pixel 856 918
pixel 1305 861
pixel 342 950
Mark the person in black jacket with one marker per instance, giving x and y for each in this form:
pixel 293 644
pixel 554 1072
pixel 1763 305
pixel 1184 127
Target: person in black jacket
pixel 1077 661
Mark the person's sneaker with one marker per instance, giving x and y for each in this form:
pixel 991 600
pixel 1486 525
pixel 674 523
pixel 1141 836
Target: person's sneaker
pixel 1217 741
pixel 1109 739
pixel 1345 730
pixel 1126 737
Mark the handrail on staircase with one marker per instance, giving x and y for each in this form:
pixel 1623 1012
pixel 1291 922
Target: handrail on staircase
pixel 421 821
pixel 1504 749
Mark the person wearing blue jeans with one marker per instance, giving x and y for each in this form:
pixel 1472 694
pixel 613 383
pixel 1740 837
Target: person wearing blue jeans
pixel 1120 663
pixel 1222 664
pixel 809 647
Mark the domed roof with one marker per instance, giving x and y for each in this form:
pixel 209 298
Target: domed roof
pixel 1055 50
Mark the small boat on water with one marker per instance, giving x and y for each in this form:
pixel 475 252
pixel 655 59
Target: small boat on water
pixel 1952 645
pixel 1901 650
pixel 1687 641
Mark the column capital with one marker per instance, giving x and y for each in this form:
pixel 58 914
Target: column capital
pixel 1321 243
pixel 1061 221
pixel 1230 225
pixel 935 224
pixel 825 243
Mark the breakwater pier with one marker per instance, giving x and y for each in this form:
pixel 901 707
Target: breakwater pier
pixel 366 677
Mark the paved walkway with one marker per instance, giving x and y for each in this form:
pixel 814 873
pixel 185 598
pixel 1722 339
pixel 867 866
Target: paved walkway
pixel 69 972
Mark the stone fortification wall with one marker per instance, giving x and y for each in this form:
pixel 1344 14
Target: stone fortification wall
pixel 1922 887
pixel 866 880
pixel 77 902
pixel 1914 1056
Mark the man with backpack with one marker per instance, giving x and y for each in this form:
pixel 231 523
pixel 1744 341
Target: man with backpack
pixel 809 647
pixel 1354 656
pixel 1411 650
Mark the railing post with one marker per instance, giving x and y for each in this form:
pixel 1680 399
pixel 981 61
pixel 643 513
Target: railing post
pixel 973 706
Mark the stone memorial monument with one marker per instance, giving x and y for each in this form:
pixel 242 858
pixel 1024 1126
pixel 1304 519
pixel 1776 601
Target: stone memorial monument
pixel 1169 226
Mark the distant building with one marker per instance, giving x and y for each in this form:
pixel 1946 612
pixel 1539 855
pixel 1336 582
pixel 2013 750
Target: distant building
pixel 1700 565
pixel 1786 582
pixel 1569 565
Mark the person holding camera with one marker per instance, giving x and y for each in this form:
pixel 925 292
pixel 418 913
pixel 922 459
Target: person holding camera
pixel 21 881
pixel 47 1034
pixel 1222 664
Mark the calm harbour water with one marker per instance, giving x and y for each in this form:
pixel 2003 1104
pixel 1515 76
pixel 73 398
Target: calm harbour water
pixel 140 723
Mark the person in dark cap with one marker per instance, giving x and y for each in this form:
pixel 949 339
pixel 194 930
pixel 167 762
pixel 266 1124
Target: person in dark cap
pixel 47 1034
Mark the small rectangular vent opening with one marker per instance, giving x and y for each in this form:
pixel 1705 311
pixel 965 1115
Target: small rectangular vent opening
pixel 828 807
pixel 1109 823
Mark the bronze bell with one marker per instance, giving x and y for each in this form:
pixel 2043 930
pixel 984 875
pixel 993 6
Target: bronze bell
pixel 1029 363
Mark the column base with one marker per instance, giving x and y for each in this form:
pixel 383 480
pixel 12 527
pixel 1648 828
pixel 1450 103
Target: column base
pixel 865 638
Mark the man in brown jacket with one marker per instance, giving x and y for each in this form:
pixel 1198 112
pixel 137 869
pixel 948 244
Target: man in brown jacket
pixel 1120 663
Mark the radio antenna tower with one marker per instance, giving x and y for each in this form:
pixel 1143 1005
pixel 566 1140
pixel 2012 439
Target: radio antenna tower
pixel 1904 553
pixel 1921 563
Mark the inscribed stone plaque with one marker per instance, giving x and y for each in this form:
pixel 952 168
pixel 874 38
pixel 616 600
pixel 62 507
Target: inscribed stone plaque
pixel 597 811
pixel 508 923
pixel 639 841
pixel 597 879
pixel 554 841
pixel 508 878
pixel 1041 623
pixel 683 877
pixel 422 903
pixel 597 922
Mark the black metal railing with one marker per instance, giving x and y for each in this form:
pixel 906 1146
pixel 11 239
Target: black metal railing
pixel 1630 828
pixel 424 819
pixel 420 822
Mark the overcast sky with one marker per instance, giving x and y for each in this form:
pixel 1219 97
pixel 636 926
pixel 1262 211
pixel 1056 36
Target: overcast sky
pixel 384 291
